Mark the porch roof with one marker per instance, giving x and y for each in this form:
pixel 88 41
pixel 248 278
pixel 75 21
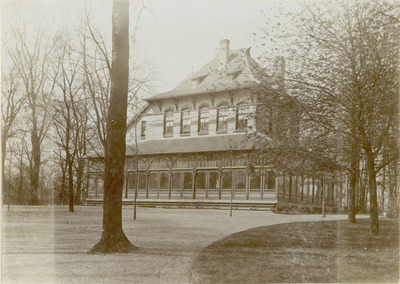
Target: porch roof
pixel 191 144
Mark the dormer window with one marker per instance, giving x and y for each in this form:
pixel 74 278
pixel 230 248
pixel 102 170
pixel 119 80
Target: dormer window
pixel 198 80
pixel 143 130
pixel 233 74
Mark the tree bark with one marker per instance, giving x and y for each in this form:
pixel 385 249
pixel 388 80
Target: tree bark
pixel 353 181
pixel 383 189
pixel 373 211
pixel 113 238
pixel 70 184
pixel 34 198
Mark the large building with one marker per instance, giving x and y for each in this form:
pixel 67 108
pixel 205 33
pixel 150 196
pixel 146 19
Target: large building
pixel 190 142
pixel 189 145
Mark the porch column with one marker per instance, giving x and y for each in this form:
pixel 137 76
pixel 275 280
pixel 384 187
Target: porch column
pixel 147 183
pixel 247 183
pixel 262 175
pixel 170 183
pixel 281 187
pixel 194 183
pixel 220 172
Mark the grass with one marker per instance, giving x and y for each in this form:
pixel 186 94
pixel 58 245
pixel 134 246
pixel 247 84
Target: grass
pixel 309 252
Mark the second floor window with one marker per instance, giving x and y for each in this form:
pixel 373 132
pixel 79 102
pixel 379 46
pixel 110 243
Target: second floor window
pixel 241 117
pixel 222 119
pixel 185 121
pixel 169 123
pixel 143 131
pixel 203 120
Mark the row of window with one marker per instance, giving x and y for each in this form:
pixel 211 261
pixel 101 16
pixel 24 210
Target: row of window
pixel 203 121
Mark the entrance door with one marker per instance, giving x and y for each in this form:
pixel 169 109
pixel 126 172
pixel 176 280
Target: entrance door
pixel 213 185
pixel 255 186
pixel 164 185
pixel 240 185
pixel 176 190
pixel 187 185
pixel 226 185
pixel 200 187
pixel 153 185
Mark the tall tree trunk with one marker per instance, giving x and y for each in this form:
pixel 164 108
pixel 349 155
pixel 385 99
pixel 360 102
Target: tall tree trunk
pixel 70 184
pixel 351 202
pixel 395 204
pixel 372 195
pixel 113 238
pixel 392 204
pixel 3 162
pixel 383 189
pixel 79 181
pixel 62 185
pixel 34 198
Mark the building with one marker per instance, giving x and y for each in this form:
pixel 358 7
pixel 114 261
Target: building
pixel 189 144
pixel 191 140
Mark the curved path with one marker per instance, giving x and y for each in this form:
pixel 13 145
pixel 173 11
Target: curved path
pixel 48 244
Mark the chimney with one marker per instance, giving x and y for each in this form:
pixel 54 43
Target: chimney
pixel 223 53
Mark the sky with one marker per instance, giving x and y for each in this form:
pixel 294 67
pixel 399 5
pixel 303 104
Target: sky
pixel 176 36
pixel 187 33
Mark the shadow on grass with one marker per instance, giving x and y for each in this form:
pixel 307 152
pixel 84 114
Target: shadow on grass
pixel 309 252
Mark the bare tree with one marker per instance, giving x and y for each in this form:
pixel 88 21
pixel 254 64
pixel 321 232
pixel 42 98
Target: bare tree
pixel 11 103
pixel 70 112
pixel 344 57
pixel 113 238
pixel 31 56
pixel 96 58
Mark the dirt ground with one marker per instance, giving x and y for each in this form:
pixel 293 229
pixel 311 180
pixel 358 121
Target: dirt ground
pixel 49 244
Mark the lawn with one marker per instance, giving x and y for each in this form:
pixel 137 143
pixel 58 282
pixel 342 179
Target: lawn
pixel 309 252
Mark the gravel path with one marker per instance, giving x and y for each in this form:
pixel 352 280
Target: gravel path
pixel 48 244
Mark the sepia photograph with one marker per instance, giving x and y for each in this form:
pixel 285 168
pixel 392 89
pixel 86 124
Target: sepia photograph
pixel 200 141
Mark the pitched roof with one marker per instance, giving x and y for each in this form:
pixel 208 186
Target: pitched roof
pixel 242 68
pixel 191 144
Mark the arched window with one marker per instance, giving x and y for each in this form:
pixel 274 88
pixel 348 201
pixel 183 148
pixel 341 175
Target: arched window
pixel 203 120
pixel 185 121
pixel 169 123
pixel 242 113
pixel 222 119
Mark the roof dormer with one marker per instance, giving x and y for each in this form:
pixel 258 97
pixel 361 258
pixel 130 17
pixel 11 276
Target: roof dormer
pixel 198 80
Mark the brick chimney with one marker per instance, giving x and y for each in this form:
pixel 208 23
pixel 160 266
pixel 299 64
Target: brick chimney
pixel 223 53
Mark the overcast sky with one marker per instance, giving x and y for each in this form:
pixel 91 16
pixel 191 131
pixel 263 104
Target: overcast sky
pixel 176 35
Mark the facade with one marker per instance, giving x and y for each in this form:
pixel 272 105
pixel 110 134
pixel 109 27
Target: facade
pixel 190 142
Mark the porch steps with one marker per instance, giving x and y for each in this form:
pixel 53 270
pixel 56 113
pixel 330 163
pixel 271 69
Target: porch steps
pixel 194 204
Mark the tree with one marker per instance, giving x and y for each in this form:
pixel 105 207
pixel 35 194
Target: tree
pixel 70 113
pixel 113 238
pixel 31 57
pixel 344 58
pixel 11 101
pixel 283 138
pixel 96 60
